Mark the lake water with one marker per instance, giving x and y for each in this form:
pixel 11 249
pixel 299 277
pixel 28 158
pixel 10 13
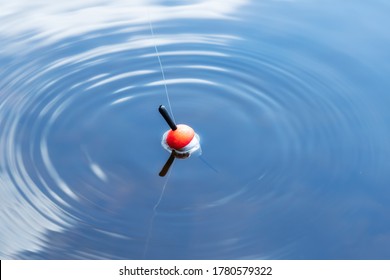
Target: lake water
pixel 290 99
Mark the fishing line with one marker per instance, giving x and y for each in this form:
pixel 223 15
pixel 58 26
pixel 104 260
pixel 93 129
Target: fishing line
pixel 161 66
pixel 170 109
pixel 154 215
pixel 208 164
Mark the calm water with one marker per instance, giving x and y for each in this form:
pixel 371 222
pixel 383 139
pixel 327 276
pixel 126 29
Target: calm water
pixel 290 99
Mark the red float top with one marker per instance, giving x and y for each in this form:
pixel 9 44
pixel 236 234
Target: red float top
pixel 181 137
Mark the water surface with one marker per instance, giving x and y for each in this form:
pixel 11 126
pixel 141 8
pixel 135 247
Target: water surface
pixel 290 99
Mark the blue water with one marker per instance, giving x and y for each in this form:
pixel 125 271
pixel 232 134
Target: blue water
pixel 290 99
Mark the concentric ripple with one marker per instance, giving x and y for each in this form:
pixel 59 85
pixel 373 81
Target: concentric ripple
pixel 291 139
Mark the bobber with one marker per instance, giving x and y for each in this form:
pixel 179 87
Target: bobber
pixel 181 140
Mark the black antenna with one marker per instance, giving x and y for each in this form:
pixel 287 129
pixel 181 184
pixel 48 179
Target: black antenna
pixel 163 111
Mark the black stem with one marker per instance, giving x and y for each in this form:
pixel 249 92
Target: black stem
pixel 167 165
pixel 163 111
